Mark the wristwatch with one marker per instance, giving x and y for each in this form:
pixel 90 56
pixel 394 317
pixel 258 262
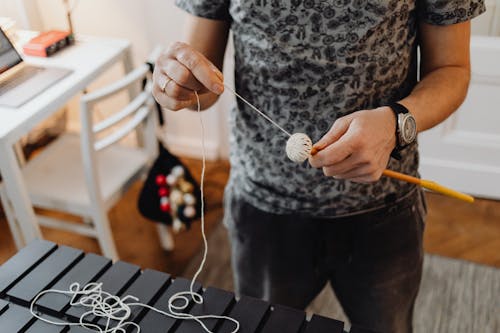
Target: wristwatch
pixel 406 128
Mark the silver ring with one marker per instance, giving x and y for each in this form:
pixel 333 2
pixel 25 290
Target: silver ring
pixel 164 86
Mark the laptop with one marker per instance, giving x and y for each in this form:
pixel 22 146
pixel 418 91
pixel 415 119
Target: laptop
pixel 20 82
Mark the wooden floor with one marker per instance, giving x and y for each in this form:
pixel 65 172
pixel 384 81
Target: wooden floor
pixel 462 230
pixel 454 229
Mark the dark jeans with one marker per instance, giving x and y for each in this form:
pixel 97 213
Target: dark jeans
pixel 373 260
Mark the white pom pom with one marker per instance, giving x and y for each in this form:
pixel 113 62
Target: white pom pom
pixel 189 199
pixel 171 180
pixel 298 147
pixel 177 171
pixel 189 212
pixel 176 197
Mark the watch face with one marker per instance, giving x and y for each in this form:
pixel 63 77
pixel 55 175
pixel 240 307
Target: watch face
pixel 408 129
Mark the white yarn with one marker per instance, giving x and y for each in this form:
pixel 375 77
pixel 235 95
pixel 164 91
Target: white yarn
pixel 98 303
pixel 298 147
pixel 103 304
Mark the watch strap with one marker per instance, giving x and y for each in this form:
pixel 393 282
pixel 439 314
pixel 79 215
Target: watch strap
pixel 397 109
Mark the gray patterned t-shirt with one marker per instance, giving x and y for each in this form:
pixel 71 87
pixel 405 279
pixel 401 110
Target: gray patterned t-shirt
pixel 306 63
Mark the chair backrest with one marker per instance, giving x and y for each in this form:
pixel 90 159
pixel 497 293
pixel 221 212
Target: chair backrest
pixel 136 111
pixel 138 115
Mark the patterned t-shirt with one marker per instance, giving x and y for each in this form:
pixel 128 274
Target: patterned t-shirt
pixel 306 63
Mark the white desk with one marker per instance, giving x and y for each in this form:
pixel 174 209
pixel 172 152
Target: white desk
pixel 88 58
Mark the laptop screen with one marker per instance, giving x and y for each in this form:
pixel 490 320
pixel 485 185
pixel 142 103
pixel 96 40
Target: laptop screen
pixel 8 54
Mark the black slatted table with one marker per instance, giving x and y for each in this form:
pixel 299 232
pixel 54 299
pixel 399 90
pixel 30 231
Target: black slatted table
pixel 44 265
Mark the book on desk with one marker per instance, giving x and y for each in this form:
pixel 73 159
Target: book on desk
pixel 48 43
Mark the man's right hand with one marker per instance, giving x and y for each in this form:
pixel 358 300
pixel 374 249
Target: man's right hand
pixel 179 72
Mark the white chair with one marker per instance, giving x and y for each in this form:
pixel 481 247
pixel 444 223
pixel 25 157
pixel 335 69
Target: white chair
pixel 86 175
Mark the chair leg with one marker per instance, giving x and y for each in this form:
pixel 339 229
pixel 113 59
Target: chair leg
pixel 166 239
pixel 105 237
pixel 11 219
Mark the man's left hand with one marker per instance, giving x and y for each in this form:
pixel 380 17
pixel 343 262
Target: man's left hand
pixel 358 146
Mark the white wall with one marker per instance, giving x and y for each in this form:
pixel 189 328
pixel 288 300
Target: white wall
pixel 24 12
pixel 488 23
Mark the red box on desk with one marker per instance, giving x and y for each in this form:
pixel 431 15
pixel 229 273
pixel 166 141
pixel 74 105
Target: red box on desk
pixel 47 43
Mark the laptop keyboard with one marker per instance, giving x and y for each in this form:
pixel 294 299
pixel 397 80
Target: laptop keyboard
pixel 23 75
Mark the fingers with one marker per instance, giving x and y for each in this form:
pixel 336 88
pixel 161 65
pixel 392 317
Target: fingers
pixel 187 65
pixel 351 162
pixel 179 72
pixel 181 75
pixel 365 173
pixel 169 87
pixel 357 167
pixel 334 153
pixel 339 128
pixel 170 103
pixel 174 97
pixel 335 146
pixel 357 147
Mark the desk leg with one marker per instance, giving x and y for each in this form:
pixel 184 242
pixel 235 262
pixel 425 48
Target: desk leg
pixel 11 219
pixel 16 192
pixel 18 147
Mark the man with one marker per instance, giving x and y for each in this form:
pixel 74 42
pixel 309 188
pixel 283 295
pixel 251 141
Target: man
pixel 345 73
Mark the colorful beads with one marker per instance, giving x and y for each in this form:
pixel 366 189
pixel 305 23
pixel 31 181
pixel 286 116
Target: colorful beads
pixel 164 204
pixel 189 212
pixel 163 192
pixel 171 180
pixel 160 180
pixel 185 186
pixel 189 199
pixel 176 197
pixel 177 171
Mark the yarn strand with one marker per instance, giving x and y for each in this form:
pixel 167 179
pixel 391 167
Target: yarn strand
pixel 257 110
pixel 197 298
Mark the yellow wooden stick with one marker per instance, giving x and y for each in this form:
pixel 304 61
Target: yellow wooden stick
pixel 429 184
